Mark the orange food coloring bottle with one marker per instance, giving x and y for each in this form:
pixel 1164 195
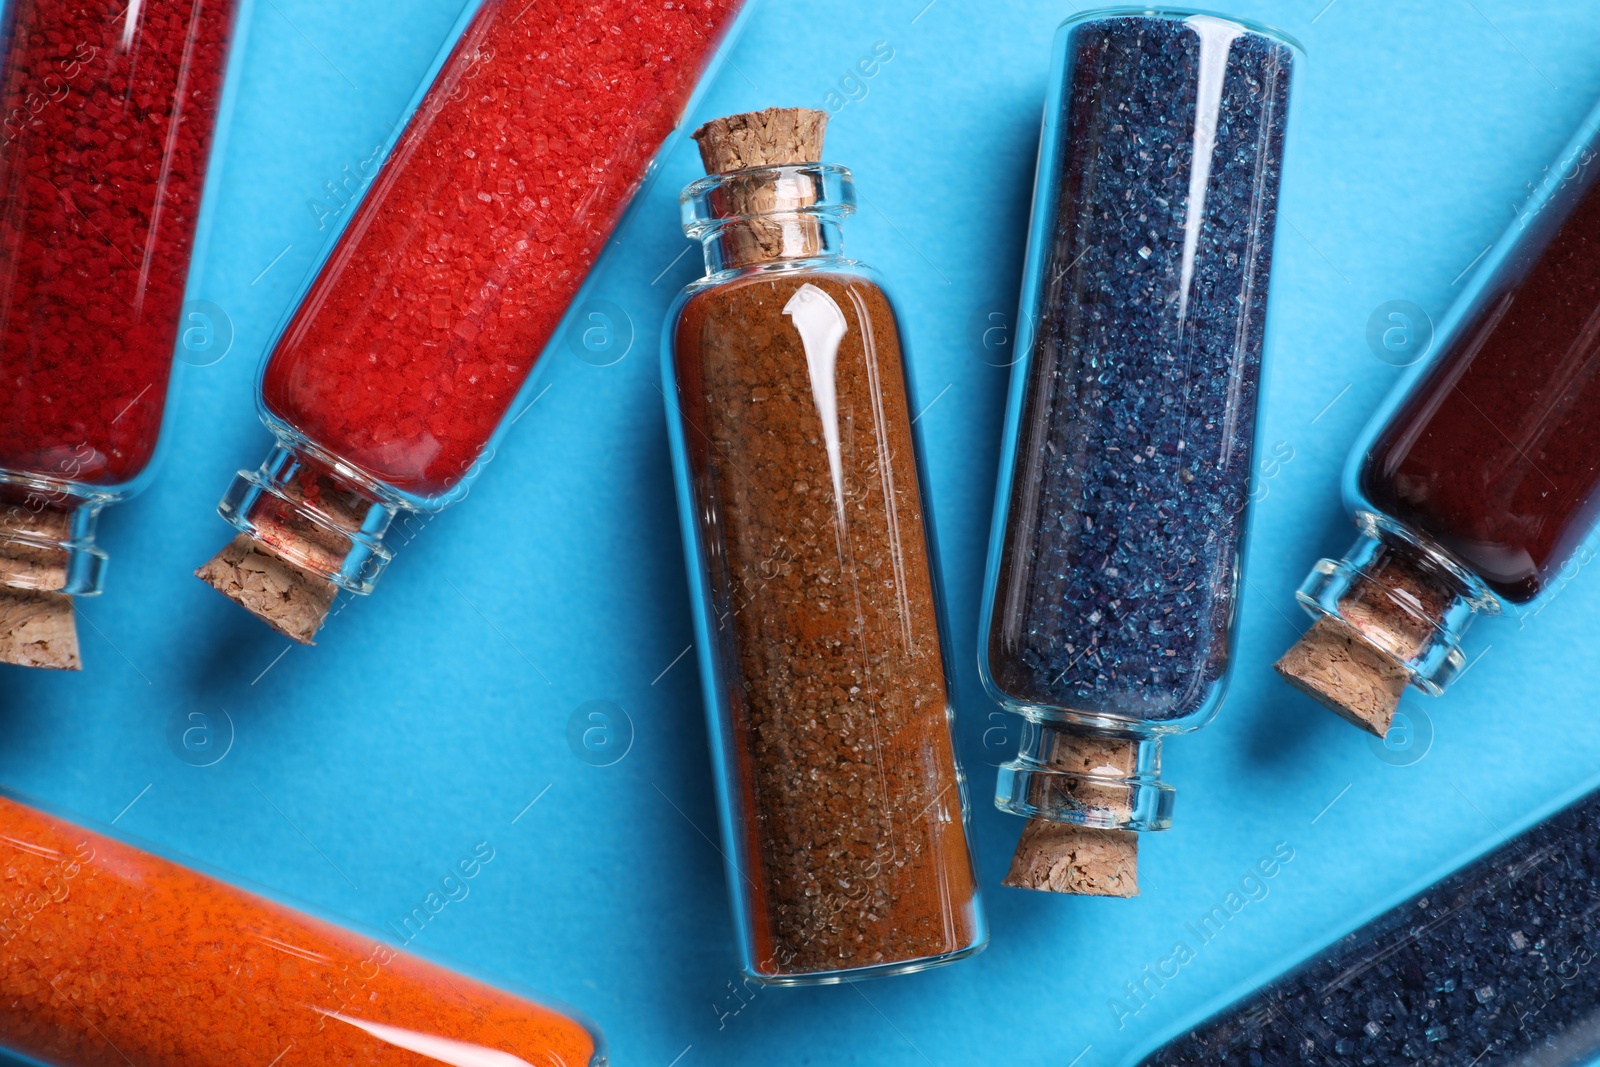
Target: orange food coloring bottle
pixel 111 955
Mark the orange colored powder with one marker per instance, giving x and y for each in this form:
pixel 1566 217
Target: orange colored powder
pixel 109 955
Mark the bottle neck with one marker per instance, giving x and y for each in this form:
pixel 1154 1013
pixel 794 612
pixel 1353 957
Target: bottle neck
pixel 1103 782
pixel 769 216
pixel 315 513
pixel 761 240
pixel 1403 597
pixel 47 538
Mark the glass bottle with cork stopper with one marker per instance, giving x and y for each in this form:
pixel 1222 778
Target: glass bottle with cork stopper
pixel 108 949
pixel 1475 488
pixel 1122 503
pixel 109 112
pixel 1487 967
pixel 392 380
pixel 812 573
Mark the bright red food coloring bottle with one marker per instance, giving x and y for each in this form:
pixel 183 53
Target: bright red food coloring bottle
pixel 387 387
pixel 107 121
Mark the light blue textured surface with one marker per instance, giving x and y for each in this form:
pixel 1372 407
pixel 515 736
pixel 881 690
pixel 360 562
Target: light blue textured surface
pixel 432 713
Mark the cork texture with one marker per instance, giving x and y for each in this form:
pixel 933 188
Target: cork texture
pixel 772 223
pixel 38 630
pixel 770 138
pixel 47 523
pixel 1065 858
pixel 287 598
pixel 1093 755
pixel 1336 668
pixel 1062 858
pixel 1105 764
pixel 33 565
pixel 1397 604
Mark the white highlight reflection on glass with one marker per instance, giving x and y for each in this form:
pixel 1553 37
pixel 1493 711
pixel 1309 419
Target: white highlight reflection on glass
pixel 1216 40
pixel 130 23
pixel 821 325
pixel 442 1049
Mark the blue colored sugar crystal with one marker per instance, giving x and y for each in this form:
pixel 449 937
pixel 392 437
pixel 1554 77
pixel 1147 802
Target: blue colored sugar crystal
pixel 1119 566
pixel 1494 965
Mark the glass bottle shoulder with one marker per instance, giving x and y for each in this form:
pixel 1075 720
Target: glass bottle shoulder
pixel 834 268
pixel 703 298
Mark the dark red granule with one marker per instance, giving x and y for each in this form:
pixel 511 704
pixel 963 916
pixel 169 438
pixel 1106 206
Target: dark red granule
pixel 1495 454
pixel 103 146
pixel 451 277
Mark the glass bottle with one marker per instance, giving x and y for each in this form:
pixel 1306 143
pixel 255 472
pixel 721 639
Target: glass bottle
pixel 1121 508
pixel 107 113
pixel 390 383
pixel 1474 487
pixel 812 571
pixel 1492 966
pixel 110 954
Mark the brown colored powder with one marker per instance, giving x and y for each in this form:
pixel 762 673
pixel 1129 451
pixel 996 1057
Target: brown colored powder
pixel 828 641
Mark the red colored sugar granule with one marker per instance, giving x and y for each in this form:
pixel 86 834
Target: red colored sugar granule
pixel 112 956
pixel 104 137
pixel 435 303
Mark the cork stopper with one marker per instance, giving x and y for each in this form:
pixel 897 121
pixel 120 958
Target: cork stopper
pixel 770 138
pixel 1345 674
pixel 288 598
pixel 1059 857
pixel 767 219
pixel 38 630
pixel 1062 857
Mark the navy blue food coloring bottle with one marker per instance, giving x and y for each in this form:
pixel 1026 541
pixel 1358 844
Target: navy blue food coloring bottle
pixel 1492 966
pixel 1114 562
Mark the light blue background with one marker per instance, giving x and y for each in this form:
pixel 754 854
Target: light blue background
pixel 430 714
